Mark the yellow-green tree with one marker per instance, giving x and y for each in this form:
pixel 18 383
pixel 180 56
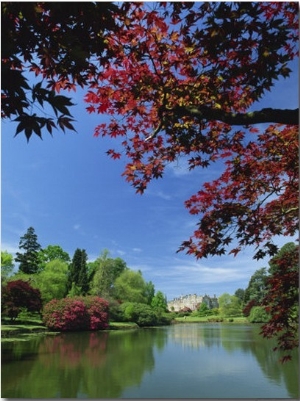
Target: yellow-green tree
pixel 130 286
pixel 7 265
pixel 229 305
pixel 52 281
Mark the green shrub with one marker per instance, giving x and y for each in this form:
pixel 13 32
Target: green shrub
pixel 186 311
pixel 79 313
pixel 115 313
pixel 215 319
pixel 172 315
pixel 165 319
pixel 139 313
pixel 258 315
pixel 144 315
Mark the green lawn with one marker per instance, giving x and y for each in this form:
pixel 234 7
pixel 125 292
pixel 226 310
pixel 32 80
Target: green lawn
pixel 122 325
pixel 33 324
pixel 193 319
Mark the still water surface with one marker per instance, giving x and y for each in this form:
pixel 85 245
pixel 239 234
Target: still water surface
pixel 178 361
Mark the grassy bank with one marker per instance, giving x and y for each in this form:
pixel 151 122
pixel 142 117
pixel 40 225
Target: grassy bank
pixel 26 327
pixel 22 327
pixel 122 325
pixel 209 319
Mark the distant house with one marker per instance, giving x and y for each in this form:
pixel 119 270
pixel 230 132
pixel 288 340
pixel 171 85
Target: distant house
pixel 192 301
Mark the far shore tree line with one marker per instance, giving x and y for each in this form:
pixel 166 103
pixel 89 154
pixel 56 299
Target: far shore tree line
pixel 47 278
pixel 50 282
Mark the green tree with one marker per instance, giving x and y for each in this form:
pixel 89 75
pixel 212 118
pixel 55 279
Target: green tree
pixel 257 287
pixel 7 265
pixel 203 309
pixel 258 314
pixel 240 293
pixel 150 291
pixel 103 273
pixel 52 252
pixel 159 301
pixel 229 305
pixel 130 286
pixel 52 281
pixel 29 259
pixel 140 313
pixel 78 274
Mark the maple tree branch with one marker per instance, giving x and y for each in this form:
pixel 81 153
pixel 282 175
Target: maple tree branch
pixel 268 115
pixel 155 132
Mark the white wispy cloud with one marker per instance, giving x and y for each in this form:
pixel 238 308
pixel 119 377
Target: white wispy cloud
pixel 120 252
pixel 137 250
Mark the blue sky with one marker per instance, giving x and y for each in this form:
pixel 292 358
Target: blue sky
pixel 73 194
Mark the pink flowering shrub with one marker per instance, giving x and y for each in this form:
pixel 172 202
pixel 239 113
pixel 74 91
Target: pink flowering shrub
pixel 79 313
pixel 97 309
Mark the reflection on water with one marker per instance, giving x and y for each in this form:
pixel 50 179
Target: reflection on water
pixel 180 361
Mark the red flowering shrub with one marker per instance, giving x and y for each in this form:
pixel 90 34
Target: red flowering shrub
pixel 19 294
pixel 79 313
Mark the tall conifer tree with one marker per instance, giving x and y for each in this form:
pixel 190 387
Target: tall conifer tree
pixel 78 271
pixel 29 259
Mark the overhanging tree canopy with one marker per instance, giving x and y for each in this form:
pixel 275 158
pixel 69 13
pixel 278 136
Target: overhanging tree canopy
pixel 183 76
pixel 59 42
pixel 176 80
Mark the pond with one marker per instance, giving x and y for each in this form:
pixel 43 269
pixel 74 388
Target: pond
pixel 180 361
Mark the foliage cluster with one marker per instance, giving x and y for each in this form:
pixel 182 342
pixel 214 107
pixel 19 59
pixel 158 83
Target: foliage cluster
pixel 202 311
pixel 29 259
pixel 258 315
pixel 7 266
pixel 247 309
pixel 56 41
pixel 78 313
pixel 281 301
pixel 17 295
pixel 77 295
pixel 143 314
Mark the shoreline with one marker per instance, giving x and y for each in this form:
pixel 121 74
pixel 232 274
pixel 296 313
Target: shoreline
pixel 22 329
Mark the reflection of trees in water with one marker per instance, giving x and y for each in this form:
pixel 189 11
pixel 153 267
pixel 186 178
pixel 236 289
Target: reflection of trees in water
pixel 245 338
pixel 93 365
pixel 248 339
pixel 104 364
pixel 268 360
pixel 17 350
pixel 192 335
pixel 129 356
pixel 24 354
pixel 69 351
